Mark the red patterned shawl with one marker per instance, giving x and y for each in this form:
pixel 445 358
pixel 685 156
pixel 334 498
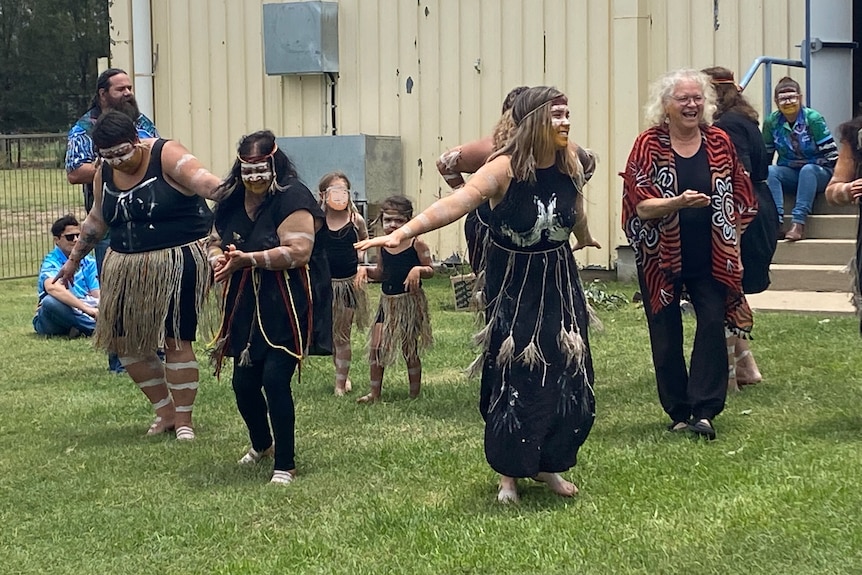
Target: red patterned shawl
pixel 651 173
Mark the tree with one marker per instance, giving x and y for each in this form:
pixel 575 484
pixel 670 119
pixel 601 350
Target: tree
pixel 48 61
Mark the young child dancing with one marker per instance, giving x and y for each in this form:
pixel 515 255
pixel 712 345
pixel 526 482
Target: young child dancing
pixel 402 322
pixel 344 227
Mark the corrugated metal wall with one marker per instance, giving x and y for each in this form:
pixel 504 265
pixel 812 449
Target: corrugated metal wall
pixel 460 58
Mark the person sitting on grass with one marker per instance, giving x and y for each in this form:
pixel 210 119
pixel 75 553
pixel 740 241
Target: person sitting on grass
pixel 66 309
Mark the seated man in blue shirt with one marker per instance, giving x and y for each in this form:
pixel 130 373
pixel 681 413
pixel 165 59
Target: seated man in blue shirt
pixel 66 309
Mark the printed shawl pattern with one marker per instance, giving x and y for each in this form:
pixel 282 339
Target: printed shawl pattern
pixel 651 173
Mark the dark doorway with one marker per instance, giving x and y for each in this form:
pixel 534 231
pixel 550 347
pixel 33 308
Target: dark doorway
pixel 857 57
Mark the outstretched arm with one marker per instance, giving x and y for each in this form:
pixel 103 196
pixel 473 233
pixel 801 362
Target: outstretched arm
pixel 488 184
pixel 186 172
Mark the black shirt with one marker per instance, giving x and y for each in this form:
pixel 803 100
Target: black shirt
pixel 695 224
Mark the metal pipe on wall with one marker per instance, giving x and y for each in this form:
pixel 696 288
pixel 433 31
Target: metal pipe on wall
pixel 142 56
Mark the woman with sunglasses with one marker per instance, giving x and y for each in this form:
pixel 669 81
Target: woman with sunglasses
pixel 686 200
pixel 806 155
pixel 150 194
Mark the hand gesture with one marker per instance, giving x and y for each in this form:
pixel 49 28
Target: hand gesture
pixel 388 241
pixel 66 275
pixel 588 243
pixel 411 284
pixel 692 199
pixel 856 190
pixel 361 278
pixel 234 259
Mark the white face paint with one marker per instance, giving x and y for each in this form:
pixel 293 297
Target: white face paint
pixel 559 115
pixel 257 172
pixel 392 221
pixel 116 155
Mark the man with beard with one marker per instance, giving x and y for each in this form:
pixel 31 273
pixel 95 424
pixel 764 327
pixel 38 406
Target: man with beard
pixel 113 92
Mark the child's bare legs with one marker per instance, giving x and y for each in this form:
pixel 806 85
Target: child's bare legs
pixel 376 370
pixel 746 368
pixel 732 384
pixel 414 375
pixel 343 356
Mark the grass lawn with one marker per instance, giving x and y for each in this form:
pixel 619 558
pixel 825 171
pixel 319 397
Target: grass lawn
pixel 403 487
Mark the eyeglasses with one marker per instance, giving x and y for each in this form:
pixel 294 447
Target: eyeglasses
pixel 788 98
pixel 71 237
pixel 686 99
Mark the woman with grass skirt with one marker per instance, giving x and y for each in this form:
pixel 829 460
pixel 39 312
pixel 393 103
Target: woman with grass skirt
pixel 845 188
pixel 536 395
pixel 262 248
pixel 150 194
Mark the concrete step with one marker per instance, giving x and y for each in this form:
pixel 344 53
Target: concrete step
pixel 828 226
pixel 815 252
pixel 816 278
pixel 821 206
pixel 821 303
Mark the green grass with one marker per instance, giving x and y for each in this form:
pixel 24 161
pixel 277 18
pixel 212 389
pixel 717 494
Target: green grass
pixel 403 487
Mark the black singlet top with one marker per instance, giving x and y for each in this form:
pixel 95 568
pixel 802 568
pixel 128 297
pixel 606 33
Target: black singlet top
pixel 396 267
pixel 338 245
pixel 152 215
pixel 695 224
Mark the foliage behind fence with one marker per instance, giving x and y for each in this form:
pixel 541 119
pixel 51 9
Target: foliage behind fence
pixel 33 193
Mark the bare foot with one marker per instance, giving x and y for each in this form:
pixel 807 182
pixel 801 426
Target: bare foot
pixel 348 386
pixel 339 390
pixel 508 490
pixel 368 398
pixel 160 426
pixel 557 484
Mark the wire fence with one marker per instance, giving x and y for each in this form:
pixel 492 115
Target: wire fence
pixel 34 192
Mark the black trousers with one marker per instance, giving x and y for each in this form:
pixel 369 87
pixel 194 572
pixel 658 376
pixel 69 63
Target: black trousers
pixel 271 374
pixel 700 390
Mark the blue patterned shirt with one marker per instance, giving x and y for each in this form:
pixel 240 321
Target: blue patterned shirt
pixel 80 149
pixel 86 278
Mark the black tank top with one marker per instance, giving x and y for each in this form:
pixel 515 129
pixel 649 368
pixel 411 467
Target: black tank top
pixel 152 215
pixel 396 267
pixel 695 224
pixel 338 245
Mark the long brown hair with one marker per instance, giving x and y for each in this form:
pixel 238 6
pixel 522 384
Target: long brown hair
pixel 533 136
pixel 729 97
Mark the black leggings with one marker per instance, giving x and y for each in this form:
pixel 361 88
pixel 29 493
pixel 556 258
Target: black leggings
pixel 271 374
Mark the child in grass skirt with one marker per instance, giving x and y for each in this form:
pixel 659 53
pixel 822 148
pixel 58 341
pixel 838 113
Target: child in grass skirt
pixel 344 227
pixel 402 324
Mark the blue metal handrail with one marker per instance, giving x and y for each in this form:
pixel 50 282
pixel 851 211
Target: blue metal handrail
pixel 767 63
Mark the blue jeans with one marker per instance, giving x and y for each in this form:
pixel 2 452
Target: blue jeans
pixel 807 182
pixel 56 318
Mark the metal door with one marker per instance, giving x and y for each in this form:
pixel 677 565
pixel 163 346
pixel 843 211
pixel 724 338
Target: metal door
pixel 830 65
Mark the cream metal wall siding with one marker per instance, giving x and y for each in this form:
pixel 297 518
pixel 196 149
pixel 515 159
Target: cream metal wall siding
pixel 434 73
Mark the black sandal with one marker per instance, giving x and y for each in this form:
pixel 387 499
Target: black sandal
pixel 677 426
pixel 704 428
